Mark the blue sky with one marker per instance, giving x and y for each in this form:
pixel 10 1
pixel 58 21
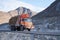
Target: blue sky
pixel 35 5
pixel 40 3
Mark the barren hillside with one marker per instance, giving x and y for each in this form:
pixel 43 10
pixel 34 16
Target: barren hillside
pixel 4 17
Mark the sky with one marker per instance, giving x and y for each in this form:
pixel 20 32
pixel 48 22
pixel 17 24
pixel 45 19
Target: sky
pixel 34 5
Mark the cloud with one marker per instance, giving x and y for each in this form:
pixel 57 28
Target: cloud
pixel 7 5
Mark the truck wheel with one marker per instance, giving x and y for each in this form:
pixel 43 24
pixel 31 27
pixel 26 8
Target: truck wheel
pixel 28 29
pixel 22 28
pixel 13 28
pixel 18 28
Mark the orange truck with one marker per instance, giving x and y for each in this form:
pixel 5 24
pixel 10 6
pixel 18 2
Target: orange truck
pixel 26 21
pixel 23 22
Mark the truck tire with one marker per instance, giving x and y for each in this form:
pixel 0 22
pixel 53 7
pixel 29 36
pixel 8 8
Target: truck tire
pixel 17 28
pixel 28 29
pixel 13 28
pixel 22 28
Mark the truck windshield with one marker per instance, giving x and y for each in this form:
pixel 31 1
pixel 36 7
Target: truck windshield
pixel 28 20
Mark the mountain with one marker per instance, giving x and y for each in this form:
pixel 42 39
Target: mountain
pixel 48 18
pixel 4 17
pixel 52 10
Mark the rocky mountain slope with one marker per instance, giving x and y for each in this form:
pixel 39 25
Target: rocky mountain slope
pixel 50 17
pixel 52 10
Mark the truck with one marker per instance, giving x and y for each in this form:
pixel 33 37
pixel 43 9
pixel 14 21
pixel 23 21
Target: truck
pixel 22 22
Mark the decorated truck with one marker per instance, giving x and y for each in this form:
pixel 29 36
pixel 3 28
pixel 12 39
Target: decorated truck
pixel 22 21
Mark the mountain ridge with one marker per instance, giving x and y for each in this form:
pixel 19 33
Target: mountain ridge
pixel 50 11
